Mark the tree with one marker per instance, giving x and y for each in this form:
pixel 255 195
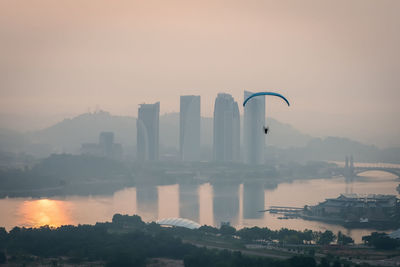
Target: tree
pixel 3 258
pixel 381 241
pixel 344 239
pixel 126 220
pixel 208 229
pixel 298 261
pixel 308 235
pixel 326 238
pixel 3 237
pixel 324 262
pixel 227 230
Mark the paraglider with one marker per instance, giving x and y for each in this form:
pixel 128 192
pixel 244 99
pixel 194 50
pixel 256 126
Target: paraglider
pixel 266 93
pixel 263 94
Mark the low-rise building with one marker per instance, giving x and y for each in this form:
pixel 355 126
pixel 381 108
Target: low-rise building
pixel 362 208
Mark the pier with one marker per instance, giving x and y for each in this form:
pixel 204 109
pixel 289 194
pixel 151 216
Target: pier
pixel 282 209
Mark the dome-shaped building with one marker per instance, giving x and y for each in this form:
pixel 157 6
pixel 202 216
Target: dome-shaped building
pixel 179 222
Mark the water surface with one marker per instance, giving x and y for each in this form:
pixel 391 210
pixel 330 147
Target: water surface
pixel 206 203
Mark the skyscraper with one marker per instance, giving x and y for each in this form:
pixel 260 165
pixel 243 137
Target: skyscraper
pixel 226 129
pixel 189 134
pixel 148 131
pixel 254 136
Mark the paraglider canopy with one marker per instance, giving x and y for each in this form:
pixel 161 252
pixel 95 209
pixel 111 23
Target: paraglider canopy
pixel 266 93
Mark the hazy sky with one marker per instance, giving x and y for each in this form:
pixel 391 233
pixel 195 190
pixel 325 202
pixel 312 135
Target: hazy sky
pixel 337 61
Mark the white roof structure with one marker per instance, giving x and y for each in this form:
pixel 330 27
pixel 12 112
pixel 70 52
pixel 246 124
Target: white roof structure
pixel 179 222
pixel 395 234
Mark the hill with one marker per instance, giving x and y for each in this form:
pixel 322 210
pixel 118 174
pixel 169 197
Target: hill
pixel 283 141
pixel 68 135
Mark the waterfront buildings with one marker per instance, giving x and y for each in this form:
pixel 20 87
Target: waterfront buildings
pixel 189 128
pixel 148 131
pixel 359 208
pixel 254 136
pixel 226 141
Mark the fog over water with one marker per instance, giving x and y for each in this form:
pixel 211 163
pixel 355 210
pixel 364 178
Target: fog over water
pixel 206 204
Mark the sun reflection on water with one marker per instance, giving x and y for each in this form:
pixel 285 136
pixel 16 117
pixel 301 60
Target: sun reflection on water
pixel 36 213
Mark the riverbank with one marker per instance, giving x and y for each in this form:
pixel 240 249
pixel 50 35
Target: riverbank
pixel 376 225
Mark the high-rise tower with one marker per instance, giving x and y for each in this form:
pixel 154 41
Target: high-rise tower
pixel 226 129
pixel 148 131
pixel 189 124
pixel 254 136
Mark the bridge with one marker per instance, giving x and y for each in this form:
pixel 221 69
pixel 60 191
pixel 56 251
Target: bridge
pixel 395 171
pixel 352 169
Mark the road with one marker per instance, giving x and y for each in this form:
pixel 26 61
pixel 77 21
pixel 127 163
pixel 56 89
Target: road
pixel 262 253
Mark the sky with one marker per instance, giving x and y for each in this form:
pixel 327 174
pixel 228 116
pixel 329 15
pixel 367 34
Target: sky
pixel 337 61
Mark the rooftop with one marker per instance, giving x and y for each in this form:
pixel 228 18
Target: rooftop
pixel 180 222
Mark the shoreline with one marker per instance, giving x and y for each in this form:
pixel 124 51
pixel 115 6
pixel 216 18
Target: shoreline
pixel 375 225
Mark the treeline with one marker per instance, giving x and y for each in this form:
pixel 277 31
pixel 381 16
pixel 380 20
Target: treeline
pixel 254 234
pixel 127 241
pixel 381 241
pixel 294 237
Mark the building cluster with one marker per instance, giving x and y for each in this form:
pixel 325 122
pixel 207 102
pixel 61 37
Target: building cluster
pixel 226 132
pixel 226 139
pixel 361 208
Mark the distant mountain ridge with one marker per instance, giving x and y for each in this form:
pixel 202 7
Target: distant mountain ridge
pixel 68 135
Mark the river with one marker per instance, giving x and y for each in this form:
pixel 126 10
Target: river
pixel 206 203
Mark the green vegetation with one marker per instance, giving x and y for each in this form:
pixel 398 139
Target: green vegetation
pixel 381 241
pixel 287 236
pixel 344 239
pixel 128 241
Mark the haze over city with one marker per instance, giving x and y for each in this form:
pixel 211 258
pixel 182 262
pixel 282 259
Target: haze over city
pixel 337 61
pixel 200 133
